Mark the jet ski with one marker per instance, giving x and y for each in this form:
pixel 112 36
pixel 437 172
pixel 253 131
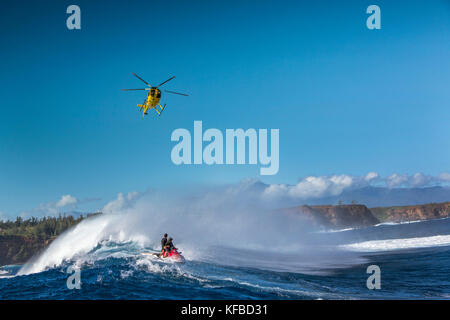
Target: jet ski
pixel 173 255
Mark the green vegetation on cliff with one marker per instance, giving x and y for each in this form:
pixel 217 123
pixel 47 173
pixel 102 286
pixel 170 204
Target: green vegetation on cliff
pixel 21 239
pixel 44 228
pixel 412 213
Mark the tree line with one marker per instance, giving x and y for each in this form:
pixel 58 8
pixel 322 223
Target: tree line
pixel 40 228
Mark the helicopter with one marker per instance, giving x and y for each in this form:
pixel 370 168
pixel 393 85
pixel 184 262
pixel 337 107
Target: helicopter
pixel 153 96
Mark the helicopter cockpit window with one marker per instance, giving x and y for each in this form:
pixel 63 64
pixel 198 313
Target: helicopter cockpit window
pixel 152 92
pixel 158 95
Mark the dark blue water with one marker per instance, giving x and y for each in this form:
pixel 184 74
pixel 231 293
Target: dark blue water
pixel 414 260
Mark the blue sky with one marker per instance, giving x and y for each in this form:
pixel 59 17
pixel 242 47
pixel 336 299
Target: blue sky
pixel 346 99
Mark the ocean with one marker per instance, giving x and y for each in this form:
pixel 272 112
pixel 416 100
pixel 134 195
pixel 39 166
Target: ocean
pixel 414 260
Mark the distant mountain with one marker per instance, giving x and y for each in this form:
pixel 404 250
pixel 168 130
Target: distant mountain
pixel 369 196
pixel 385 197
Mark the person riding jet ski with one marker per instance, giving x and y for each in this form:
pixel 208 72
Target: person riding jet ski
pixel 168 247
pixel 164 241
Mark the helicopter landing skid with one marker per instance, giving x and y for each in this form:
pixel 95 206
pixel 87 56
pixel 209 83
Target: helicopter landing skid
pixel 162 108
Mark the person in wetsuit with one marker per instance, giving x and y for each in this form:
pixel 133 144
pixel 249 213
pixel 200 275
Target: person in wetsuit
pixel 168 247
pixel 163 245
pixel 164 241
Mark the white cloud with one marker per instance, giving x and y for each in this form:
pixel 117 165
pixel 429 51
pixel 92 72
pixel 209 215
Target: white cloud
pixel 3 216
pixel 420 180
pixel 396 180
pixel 444 176
pixel 371 176
pixel 66 200
pixel 416 180
pixel 121 202
pixel 312 187
pixel 325 186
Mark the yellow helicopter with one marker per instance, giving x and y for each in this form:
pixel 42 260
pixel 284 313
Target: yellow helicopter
pixel 153 97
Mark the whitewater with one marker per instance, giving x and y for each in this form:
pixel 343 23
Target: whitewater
pixel 234 249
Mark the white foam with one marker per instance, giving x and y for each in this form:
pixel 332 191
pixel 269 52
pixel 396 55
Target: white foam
pixel 398 244
pixel 335 230
pixel 398 223
pixel 280 291
pixel 76 243
pixel 407 222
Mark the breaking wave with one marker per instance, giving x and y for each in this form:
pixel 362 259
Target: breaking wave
pixel 217 225
pixel 398 244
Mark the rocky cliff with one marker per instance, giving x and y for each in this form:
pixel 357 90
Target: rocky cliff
pixel 412 213
pixel 22 239
pixel 357 215
pixel 18 249
pixel 340 216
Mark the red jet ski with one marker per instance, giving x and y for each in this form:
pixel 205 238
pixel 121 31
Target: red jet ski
pixel 173 255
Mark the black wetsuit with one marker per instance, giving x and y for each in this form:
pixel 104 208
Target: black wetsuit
pixel 163 242
pixel 168 247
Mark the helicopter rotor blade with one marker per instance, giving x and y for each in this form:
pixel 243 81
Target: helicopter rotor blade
pixel 159 85
pixel 181 94
pixel 134 89
pixel 134 74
